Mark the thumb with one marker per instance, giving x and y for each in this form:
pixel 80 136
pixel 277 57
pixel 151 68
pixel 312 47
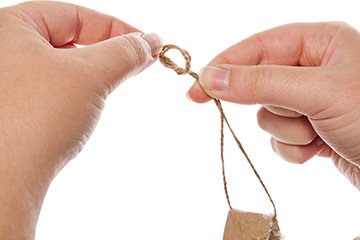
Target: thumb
pixel 114 60
pixel 301 89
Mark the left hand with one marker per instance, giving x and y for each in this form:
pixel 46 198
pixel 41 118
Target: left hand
pixel 52 95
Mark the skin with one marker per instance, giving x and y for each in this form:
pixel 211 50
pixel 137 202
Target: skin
pixel 306 79
pixel 52 95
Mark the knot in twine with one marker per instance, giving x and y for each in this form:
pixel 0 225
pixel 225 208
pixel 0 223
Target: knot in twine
pixel 167 62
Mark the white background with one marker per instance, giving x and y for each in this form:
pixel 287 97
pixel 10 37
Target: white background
pixel 152 168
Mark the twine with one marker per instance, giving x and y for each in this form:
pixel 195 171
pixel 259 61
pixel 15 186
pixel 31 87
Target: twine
pixel 167 62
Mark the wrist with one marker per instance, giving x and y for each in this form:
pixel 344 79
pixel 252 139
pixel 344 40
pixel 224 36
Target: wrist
pixel 24 185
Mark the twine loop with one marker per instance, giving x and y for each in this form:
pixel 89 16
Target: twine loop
pixel 167 62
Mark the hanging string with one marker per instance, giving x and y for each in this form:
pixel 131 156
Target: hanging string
pixel 167 62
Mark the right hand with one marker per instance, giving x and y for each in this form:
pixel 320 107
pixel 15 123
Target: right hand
pixel 307 79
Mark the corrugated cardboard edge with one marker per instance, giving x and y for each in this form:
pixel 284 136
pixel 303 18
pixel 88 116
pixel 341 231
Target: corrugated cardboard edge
pixel 242 225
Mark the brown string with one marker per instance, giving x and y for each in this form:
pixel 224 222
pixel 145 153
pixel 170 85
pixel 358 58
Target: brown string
pixel 167 62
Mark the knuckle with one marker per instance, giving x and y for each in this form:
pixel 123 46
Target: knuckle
pixel 136 50
pixel 306 131
pixel 342 28
pixel 297 155
pixel 291 153
pixel 340 25
pixel 262 119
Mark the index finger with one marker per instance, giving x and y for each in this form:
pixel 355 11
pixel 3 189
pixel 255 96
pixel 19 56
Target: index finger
pixel 63 23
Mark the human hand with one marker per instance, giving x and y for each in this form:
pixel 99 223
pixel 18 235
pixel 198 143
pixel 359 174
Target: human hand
pixel 306 77
pixel 52 94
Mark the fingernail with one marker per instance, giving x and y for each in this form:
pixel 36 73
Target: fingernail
pixel 214 78
pixel 155 43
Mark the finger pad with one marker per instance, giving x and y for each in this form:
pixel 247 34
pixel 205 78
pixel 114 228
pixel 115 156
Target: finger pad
pixel 197 95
